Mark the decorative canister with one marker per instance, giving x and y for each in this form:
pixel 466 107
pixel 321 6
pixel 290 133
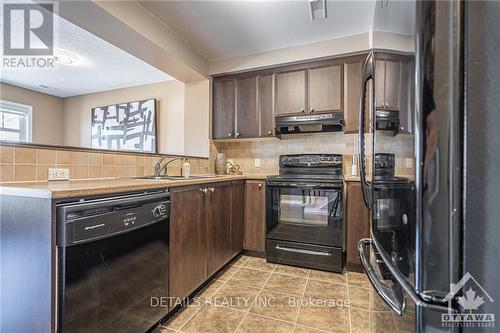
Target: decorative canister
pixel 220 164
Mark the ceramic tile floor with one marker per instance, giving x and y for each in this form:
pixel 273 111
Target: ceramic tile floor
pixel 252 295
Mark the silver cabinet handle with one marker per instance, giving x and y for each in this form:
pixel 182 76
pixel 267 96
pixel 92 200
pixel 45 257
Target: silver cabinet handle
pixel 230 134
pixel 212 189
pixel 237 135
pixel 302 110
pixel 312 109
pixel 260 185
pixel 303 251
pixel 269 132
pixel 204 190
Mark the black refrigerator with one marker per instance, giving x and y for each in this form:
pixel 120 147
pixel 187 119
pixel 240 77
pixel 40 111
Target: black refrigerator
pixel 434 251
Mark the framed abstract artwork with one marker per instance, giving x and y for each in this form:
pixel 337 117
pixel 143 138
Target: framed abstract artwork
pixel 126 126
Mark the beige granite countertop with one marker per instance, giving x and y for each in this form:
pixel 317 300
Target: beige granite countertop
pixel 81 188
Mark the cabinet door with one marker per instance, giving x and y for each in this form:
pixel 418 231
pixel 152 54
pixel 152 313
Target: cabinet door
pixel 325 89
pixel 266 110
pixel 392 84
pixel 290 92
pixel 237 216
pixel 407 97
pixel 187 241
pixel 218 226
pixel 352 86
pixel 223 109
pixel 247 118
pixel 380 83
pixel 255 216
pixel 357 222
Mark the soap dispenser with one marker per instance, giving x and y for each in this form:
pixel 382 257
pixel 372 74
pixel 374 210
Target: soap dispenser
pixel 186 169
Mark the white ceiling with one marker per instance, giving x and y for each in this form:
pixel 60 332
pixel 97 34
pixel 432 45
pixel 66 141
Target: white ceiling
pixel 103 66
pixel 225 29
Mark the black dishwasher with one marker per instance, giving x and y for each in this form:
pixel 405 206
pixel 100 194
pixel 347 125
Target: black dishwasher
pixel 113 259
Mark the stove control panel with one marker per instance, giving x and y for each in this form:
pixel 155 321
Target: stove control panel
pixel 311 160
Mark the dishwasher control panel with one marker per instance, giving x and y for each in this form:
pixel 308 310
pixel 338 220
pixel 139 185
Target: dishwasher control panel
pixel 92 220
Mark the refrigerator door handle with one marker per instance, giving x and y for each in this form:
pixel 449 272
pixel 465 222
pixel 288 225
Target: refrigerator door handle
pixel 401 280
pixel 367 75
pixel 396 301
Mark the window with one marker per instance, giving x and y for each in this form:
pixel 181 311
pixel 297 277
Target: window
pixel 15 122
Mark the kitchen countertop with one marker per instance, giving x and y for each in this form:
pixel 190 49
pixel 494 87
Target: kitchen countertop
pixel 81 188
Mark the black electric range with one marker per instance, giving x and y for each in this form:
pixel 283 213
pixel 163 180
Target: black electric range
pixel 304 221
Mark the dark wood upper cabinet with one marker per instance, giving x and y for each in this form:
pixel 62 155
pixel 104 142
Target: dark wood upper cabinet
pixel 290 92
pixel 218 226
pixel 237 216
pixel 255 216
pixel 388 84
pixel 224 94
pixel 352 86
pixel 266 105
pixel 247 117
pixel 357 219
pixel 187 241
pixel 325 89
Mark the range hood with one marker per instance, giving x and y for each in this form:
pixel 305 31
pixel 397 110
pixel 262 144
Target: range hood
pixel 309 123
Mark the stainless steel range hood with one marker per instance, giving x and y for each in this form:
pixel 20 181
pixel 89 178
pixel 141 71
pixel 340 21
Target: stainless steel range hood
pixel 309 123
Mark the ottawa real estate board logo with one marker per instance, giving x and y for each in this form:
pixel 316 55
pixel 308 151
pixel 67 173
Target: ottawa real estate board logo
pixel 473 297
pixel 28 35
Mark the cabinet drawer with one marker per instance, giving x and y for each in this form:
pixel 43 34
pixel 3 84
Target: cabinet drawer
pixel 305 255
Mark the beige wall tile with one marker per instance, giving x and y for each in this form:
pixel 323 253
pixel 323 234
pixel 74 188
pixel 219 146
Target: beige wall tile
pixel 25 155
pixel 6 154
pixel 42 171
pixel 81 158
pixel 96 159
pixel 81 172
pixel 108 171
pixel 130 159
pixel 120 159
pixel 108 159
pixel 125 171
pixel 95 171
pixel 140 161
pixel 6 173
pixel 46 156
pixel 64 157
pixel 25 172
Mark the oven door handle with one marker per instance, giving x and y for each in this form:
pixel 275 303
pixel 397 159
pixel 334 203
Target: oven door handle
pixel 302 251
pixel 368 74
pixel 395 300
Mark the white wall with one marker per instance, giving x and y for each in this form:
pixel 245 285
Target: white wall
pixel 48 114
pixel 170 96
pixel 197 119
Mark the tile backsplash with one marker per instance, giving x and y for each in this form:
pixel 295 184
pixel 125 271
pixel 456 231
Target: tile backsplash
pixel 244 152
pixel 24 164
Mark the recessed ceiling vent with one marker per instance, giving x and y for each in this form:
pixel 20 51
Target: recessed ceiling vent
pixel 317 9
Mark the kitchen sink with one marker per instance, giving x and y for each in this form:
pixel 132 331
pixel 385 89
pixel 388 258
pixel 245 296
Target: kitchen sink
pixel 176 177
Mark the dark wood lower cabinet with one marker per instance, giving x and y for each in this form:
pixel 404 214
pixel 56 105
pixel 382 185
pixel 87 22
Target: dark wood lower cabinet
pixel 218 226
pixel 206 230
pixel 255 216
pixel 187 241
pixel 237 216
pixel 357 220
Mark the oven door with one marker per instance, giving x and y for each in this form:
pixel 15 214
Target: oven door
pixel 307 213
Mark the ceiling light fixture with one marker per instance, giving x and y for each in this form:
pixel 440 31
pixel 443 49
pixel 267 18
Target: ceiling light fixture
pixel 317 9
pixel 66 58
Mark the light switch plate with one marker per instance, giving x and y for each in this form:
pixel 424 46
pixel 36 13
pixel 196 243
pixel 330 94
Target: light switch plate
pixel 257 162
pixel 409 163
pixel 58 174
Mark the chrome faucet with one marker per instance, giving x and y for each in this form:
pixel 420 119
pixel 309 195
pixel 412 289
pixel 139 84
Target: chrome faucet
pixel 159 168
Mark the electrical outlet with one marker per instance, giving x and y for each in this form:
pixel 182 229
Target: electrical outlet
pixel 58 174
pixel 257 162
pixel 409 163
